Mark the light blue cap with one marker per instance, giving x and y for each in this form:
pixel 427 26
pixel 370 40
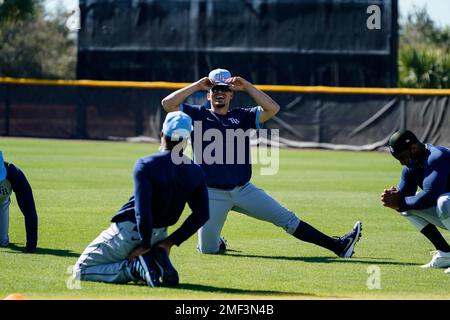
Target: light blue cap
pixel 2 168
pixel 218 76
pixel 177 125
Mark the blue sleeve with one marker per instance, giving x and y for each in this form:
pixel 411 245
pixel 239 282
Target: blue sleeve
pixel 142 203
pixel 407 185
pixel 252 118
pixel 191 110
pixel 258 124
pixel 25 200
pixel 199 204
pixel 434 184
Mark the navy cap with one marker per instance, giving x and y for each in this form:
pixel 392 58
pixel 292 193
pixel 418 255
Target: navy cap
pixel 400 141
pixel 177 125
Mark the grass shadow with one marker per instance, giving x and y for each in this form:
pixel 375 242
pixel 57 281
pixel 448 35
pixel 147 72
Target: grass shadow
pixel 47 251
pixel 213 289
pixel 364 260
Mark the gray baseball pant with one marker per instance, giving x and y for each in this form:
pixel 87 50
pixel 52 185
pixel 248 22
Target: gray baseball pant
pixel 4 223
pixel 248 200
pixel 105 258
pixel 438 215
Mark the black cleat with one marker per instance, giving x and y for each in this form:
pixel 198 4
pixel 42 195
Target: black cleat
pixel 144 268
pixel 166 269
pixel 349 241
pixel 222 245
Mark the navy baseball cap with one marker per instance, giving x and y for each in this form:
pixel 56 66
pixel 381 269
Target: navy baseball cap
pixel 218 77
pixel 177 125
pixel 400 141
pixel 2 168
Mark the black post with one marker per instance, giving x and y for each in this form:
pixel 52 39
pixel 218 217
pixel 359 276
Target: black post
pixel 7 109
pixel 81 115
pixel 394 44
pixel 138 121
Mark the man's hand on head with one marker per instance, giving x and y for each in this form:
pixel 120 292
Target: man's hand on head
pixel 204 84
pixel 238 83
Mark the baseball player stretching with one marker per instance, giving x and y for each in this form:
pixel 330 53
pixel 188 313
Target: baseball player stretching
pixel 13 179
pixel 229 185
pixel 427 167
pixel 136 246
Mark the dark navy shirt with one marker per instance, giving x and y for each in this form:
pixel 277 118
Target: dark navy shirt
pixel 161 191
pixel 433 178
pixel 221 146
pixel 16 181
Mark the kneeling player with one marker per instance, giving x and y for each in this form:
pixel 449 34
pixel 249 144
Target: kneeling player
pixel 136 246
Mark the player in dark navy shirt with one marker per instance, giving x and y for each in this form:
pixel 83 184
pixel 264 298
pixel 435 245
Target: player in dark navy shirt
pixel 221 147
pixel 137 246
pixel 225 173
pixel 427 167
pixel 13 179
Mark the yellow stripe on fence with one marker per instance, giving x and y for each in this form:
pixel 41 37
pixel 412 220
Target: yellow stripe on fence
pixel 273 88
pixel 96 83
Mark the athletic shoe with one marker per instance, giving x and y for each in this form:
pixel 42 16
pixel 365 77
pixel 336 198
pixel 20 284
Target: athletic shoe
pixel 447 271
pixel 223 245
pixel 167 271
pixel 440 260
pixel 349 241
pixel 144 268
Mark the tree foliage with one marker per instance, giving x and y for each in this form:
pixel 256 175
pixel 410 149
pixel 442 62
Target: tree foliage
pixel 424 52
pixel 36 46
pixel 13 10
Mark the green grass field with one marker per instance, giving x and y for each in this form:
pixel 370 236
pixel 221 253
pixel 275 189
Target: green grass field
pixel 79 185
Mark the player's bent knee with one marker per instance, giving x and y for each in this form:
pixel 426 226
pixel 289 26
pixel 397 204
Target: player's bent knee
pixel 208 245
pixel 443 206
pixel 208 250
pixel 416 221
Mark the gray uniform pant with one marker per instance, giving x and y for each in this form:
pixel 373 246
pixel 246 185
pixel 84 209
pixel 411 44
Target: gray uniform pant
pixel 248 200
pixel 438 215
pixel 4 223
pixel 105 258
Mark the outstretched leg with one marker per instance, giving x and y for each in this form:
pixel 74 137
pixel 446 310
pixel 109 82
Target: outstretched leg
pixel 341 246
pixel 258 204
